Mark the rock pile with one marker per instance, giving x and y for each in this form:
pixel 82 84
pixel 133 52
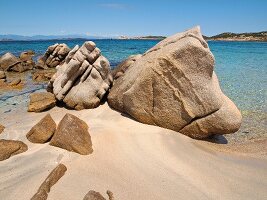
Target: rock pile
pixel 83 79
pixel 53 56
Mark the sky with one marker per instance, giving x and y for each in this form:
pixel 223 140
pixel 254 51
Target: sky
pixel 130 18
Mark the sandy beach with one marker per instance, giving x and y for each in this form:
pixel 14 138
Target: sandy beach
pixel 131 159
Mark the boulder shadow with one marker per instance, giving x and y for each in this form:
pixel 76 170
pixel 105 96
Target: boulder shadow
pixel 217 139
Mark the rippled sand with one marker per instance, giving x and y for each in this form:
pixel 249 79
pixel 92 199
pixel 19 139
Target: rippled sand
pixel 133 160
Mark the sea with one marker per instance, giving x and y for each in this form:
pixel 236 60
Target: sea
pixel 241 67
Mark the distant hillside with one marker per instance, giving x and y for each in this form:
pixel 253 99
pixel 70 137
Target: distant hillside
pixel 150 37
pixel 258 36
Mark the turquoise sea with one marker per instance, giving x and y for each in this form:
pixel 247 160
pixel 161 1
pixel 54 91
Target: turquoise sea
pixel 240 66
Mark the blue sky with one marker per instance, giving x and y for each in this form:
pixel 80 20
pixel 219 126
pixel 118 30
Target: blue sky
pixel 133 18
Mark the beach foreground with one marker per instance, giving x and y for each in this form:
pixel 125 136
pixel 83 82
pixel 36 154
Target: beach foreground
pixel 131 159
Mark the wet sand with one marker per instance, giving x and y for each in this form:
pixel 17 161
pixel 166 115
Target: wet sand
pixel 131 159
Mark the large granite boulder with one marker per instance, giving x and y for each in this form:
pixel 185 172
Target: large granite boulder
pixel 53 56
pixel 9 61
pixel 72 134
pixel 123 66
pixel 173 85
pixel 43 131
pixel 83 79
pixel 41 101
pixel 10 148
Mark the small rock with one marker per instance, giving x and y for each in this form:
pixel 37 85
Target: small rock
pixel 93 195
pixel 10 148
pixel 1 128
pixel 2 75
pixel 51 180
pixel 43 130
pixel 8 61
pixel 15 82
pixel 41 101
pixel 72 134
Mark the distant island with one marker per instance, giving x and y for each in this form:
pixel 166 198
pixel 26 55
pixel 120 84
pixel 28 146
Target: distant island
pixel 258 36
pixel 227 36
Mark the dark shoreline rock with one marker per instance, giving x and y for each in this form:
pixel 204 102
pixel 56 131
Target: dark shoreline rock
pixel 72 134
pixel 43 131
pixel 41 101
pixel 10 148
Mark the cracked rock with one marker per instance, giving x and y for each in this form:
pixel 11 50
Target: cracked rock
pixel 173 85
pixel 83 79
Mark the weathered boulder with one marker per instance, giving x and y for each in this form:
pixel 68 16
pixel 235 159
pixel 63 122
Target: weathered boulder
pixel 26 55
pixel 123 66
pixel 53 56
pixel 10 148
pixel 41 101
pixel 43 75
pixel 27 62
pixel 9 61
pixel 83 79
pixel 2 75
pixel 173 85
pixel 43 131
pixel 1 128
pixel 72 134
pixel 51 180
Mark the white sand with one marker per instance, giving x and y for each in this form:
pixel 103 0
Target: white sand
pixel 133 160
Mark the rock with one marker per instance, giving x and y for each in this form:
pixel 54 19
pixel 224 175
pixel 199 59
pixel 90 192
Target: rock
pixel 8 61
pixel 51 180
pixel 93 195
pixel 123 66
pixel 42 75
pixel 2 75
pixel 1 128
pixel 72 134
pixel 10 148
pixel 43 131
pixel 53 56
pixel 83 79
pixel 173 85
pixel 15 82
pixel 41 101
pixel 26 55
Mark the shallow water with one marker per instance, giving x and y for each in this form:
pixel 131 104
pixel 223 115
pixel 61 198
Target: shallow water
pixel 241 68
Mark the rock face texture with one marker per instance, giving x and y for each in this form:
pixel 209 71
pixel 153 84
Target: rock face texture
pixel 72 134
pixel 41 101
pixel 53 56
pixel 173 85
pixel 9 61
pixel 43 131
pixel 83 79
pixel 51 180
pixel 1 128
pixel 122 67
pixel 2 75
pixel 10 148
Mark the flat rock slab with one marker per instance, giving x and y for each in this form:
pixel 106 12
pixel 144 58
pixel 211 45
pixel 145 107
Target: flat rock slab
pixel 41 101
pixel 43 131
pixel 51 180
pixel 10 148
pixel 72 134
